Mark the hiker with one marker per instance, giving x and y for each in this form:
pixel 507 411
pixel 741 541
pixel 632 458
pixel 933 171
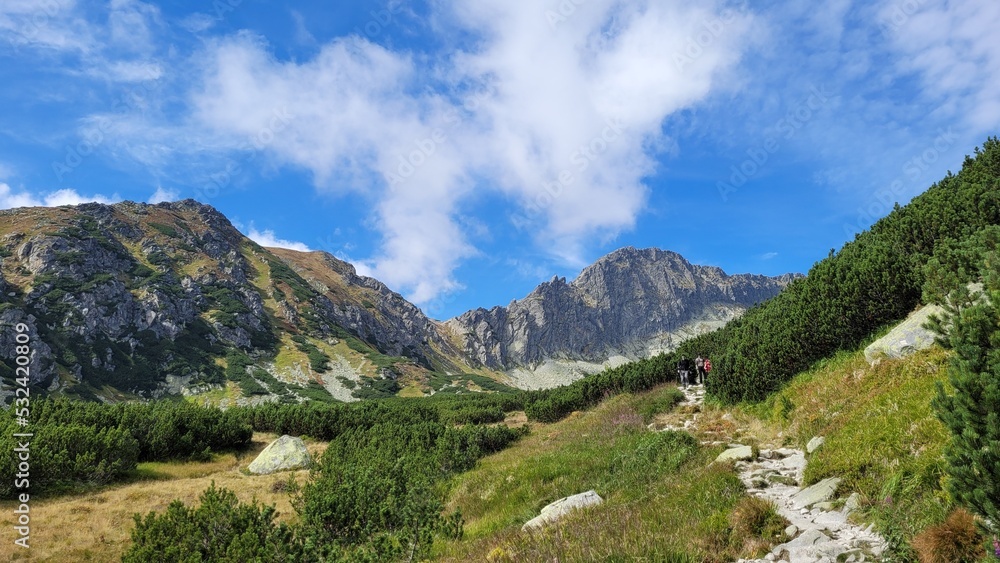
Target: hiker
pixel 699 370
pixel 683 370
pixel 708 368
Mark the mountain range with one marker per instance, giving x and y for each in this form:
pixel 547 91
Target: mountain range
pixel 135 300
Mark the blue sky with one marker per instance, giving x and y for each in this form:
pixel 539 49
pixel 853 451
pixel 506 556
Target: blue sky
pixel 463 152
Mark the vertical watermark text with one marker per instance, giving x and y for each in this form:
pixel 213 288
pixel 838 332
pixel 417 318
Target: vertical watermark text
pixel 22 452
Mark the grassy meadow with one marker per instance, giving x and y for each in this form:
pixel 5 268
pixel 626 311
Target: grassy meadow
pixel 664 498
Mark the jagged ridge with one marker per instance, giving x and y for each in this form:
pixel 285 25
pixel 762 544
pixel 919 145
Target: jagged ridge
pixel 624 304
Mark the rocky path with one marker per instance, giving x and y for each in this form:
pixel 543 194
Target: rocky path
pixel 820 531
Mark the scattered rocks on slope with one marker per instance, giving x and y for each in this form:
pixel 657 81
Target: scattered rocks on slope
pixel 284 454
pixel 561 507
pixel 818 533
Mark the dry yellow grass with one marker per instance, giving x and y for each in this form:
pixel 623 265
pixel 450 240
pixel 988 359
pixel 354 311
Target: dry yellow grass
pixel 97 526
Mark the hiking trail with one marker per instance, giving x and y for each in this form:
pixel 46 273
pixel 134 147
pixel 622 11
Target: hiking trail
pixel 820 530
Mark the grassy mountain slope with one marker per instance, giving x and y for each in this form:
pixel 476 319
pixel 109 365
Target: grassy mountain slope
pixel 872 281
pixel 663 499
pixel 881 439
pixel 134 300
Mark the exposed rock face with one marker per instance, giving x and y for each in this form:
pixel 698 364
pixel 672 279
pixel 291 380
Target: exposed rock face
pixel 155 299
pixel 375 313
pixel 148 299
pixel 621 305
pixel 284 454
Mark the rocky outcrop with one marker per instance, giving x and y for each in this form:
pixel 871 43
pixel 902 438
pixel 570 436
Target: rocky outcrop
pixel 149 299
pixel 625 304
pixel 284 454
pixel 105 286
pixel 562 507
pixel 141 297
pixel 367 307
pixel 905 338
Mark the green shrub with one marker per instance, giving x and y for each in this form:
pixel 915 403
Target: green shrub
pixel 874 280
pixel 972 413
pixel 377 389
pixel 219 529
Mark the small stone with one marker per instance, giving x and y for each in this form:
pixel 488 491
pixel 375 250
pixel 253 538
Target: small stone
pixel 853 503
pixel 814 444
pixel 782 480
pixel 823 506
pixel 791 530
pixel 820 492
pixel 808 538
pixel 737 453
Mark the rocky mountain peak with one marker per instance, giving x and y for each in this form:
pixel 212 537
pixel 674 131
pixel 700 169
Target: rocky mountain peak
pixel 625 304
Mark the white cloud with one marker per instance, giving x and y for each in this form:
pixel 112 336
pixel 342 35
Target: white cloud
pixel 532 102
pixel 584 96
pixel 768 255
pixel 161 195
pixel 302 33
pixel 131 23
pixel 952 46
pixel 132 71
pixel 10 199
pixel 198 22
pixel 47 25
pixel 267 238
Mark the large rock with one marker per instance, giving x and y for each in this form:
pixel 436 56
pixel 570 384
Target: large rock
pixel 561 507
pixel 820 492
pixel 284 454
pixel 906 338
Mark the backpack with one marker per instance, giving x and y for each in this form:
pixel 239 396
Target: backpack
pixel 708 366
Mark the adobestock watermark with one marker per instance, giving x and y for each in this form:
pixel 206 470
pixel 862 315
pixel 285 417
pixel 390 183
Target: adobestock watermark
pixel 253 144
pixel 380 20
pixel 760 154
pixel 562 11
pixel 582 159
pixel 408 162
pixel 883 200
pixel 30 25
pixel 898 16
pixel 21 454
pixel 222 8
pixel 129 102
pixel 705 35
